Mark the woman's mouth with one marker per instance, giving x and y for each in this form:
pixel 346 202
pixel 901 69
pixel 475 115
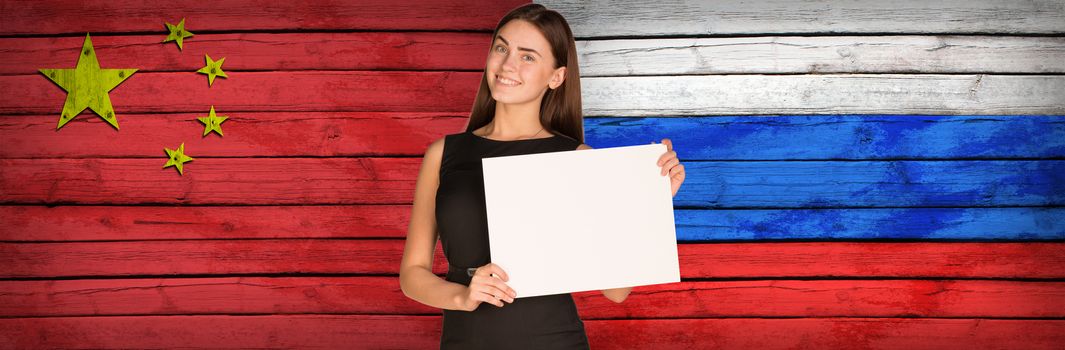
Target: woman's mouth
pixel 507 82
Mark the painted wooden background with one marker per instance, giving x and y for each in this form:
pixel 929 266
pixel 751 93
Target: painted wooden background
pixel 861 175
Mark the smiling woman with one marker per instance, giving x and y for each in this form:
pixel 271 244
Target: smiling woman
pixel 529 102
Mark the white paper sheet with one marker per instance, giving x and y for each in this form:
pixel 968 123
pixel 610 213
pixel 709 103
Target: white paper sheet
pixel 581 220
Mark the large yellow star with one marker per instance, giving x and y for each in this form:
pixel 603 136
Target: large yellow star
pixel 212 69
pixel 212 123
pixel 177 158
pixel 87 86
pixel 177 33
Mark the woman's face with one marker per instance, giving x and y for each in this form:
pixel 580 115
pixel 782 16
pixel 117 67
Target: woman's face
pixel 521 66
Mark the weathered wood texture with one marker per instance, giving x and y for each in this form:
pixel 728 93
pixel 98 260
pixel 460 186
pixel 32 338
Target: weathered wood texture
pixel 382 296
pixel 1027 260
pixel 738 17
pixel 423 332
pixel 31 223
pixel 258 51
pixel 130 16
pixel 714 184
pixel 453 51
pixel 822 54
pixel 302 91
pixel 794 137
pixel 824 94
pixel 310 91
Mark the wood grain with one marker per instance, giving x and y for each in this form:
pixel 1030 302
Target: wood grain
pixel 738 17
pixel 124 16
pixel 306 91
pixel 822 54
pixel 1031 260
pixel 257 51
pixel 247 134
pixel 853 137
pixel 144 222
pixel 303 91
pixel 824 94
pixel 345 331
pixel 794 137
pixel 709 184
pixel 382 296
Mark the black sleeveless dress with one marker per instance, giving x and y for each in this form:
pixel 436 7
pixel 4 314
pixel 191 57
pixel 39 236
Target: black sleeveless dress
pixel 543 322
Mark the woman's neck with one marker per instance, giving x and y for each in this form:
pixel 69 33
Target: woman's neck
pixel 514 122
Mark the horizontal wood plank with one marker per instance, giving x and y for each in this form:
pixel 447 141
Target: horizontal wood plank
pixel 236 181
pixel 873 184
pixel 1031 260
pixel 822 54
pixel 679 18
pixel 306 91
pixel 59 17
pixel 143 222
pixel 382 295
pixel 31 223
pixel 302 91
pixel 876 224
pixel 257 51
pixel 408 332
pixel 823 94
pixel 725 184
pixel 856 137
pixel 247 134
pixel 802 137
pixel 830 333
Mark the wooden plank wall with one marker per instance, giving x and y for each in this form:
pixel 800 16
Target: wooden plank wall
pixel 861 175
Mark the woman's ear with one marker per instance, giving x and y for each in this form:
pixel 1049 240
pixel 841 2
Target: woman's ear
pixel 557 78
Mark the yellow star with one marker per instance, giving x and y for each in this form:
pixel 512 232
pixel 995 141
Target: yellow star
pixel 212 123
pixel 87 85
pixel 177 33
pixel 177 158
pixel 212 69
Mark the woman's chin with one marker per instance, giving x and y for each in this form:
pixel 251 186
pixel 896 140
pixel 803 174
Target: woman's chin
pixel 507 98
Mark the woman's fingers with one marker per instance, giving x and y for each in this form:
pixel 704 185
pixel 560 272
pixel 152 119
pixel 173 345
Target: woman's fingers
pixel 668 143
pixel 489 298
pixel 493 292
pixel 671 164
pixel 679 169
pixel 491 268
pixel 666 156
pixel 497 284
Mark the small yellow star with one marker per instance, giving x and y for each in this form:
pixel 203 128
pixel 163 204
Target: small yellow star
pixel 212 69
pixel 87 85
pixel 177 33
pixel 212 123
pixel 177 158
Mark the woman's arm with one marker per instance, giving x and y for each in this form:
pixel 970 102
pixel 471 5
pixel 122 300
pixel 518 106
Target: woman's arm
pixel 416 277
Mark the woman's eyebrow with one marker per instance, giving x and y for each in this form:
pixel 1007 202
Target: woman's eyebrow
pixel 519 48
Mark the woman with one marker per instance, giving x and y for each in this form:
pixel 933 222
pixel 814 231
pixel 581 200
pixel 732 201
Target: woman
pixel 529 102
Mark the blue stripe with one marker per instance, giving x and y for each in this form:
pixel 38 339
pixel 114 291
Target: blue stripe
pixel 839 136
pixel 859 224
pixel 818 184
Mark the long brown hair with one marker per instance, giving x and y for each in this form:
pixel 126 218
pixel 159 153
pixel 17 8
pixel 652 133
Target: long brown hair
pixel 560 108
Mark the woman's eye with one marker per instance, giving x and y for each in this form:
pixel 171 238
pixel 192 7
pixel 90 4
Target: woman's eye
pixel 527 58
pixel 501 49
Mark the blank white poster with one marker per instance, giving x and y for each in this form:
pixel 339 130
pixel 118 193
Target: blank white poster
pixel 581 220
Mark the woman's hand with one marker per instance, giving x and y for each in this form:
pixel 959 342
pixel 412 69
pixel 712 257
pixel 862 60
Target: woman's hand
pixel 487 286
pixel 671 165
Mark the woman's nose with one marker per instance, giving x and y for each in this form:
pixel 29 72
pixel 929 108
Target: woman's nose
pixel 510 63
